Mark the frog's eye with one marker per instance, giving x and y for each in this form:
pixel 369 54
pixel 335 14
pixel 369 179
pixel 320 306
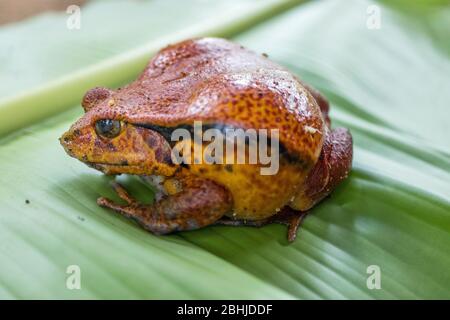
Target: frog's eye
pixel 108 128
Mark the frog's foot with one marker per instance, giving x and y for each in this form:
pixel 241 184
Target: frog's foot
pixel 123 193
pixel 199 203
pixel 287 216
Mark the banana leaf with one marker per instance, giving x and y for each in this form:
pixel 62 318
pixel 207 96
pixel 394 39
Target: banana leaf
pixel 388 85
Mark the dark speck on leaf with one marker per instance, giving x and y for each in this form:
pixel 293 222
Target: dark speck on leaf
pixel 27 201
pixel 80 218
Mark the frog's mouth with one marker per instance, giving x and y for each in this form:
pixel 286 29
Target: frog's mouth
pixel 104 164
pixel 116 168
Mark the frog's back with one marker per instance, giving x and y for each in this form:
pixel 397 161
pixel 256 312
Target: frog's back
pixel 218 82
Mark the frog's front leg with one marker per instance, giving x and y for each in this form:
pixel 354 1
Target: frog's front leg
pixel 199 203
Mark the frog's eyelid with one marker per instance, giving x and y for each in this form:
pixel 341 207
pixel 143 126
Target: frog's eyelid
pixel 94 96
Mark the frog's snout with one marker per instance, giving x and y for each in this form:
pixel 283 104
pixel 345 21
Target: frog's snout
pixel 70 142
pixel 66 141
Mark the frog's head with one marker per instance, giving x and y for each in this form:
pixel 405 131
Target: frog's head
pixel 105 140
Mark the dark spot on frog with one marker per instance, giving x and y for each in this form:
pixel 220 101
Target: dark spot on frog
pixel 184 165
pixel 111 147
pixel 98 143
pixel 76 132
pixel 229 168
pixel 168 158
pixel 124 163
pixel 152 141
pixel 27 201
pixel 163 156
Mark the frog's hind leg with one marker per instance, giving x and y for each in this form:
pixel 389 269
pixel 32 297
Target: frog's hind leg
pixel 287 216
pixel 199 203
pixel 332 167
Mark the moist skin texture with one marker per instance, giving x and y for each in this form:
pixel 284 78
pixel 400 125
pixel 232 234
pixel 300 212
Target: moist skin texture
pixel 221 84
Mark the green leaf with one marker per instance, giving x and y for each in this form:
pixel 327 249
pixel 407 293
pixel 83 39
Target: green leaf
pixel 388 86
pixel 107 50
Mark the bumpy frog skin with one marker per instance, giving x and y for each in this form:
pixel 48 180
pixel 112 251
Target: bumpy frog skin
pixel 221 84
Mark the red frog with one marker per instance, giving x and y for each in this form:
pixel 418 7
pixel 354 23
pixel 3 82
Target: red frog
pixel 224 86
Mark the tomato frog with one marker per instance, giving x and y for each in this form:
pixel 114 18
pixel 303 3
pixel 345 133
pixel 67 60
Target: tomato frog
pixel 222 85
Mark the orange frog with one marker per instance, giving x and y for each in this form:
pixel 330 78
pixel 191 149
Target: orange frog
pixel 223 86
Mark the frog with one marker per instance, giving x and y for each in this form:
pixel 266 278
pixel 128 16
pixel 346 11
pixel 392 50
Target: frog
pixel 223 85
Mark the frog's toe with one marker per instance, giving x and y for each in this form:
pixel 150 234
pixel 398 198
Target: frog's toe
pixel 122 193
pixel 293 226
pixel 127 210
pixel 106 203
pixel 289 217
